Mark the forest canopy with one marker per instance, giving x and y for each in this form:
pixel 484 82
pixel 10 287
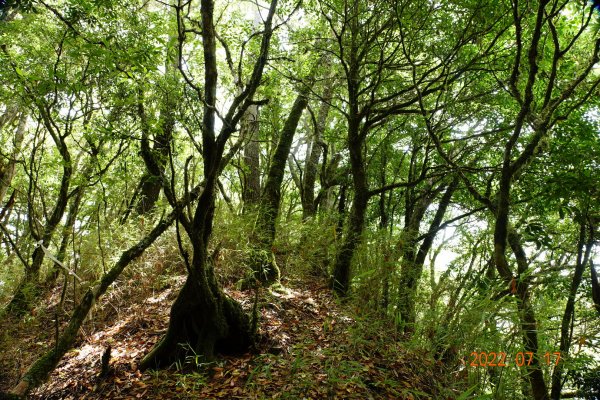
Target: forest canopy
pixel 430 169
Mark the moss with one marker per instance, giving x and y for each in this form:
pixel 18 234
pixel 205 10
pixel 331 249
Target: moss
pixel 263 269
pixel 206 322
pixel 26 293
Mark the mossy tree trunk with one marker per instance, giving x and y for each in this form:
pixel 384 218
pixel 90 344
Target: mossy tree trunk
pixel 262 261
pixel 307 190
pixel 38 372
pixel 340 280
pixel 368 105
pixel 584 248
pixel 203 320
pixel 251 166
pixel 414 255
pixel 517 156
pixel 356 219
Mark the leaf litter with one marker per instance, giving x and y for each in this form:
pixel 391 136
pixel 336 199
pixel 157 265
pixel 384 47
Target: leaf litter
pixel 310 347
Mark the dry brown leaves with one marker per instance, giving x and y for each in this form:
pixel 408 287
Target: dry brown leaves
pixel 306 351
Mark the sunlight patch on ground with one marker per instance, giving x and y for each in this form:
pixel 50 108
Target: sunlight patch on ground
pixel 286 293
pixel 161 297
pixel 86 351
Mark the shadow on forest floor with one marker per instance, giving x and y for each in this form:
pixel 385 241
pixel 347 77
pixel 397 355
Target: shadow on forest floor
pixel 311 347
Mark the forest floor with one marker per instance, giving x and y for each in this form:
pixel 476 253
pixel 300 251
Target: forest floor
pixel 311 347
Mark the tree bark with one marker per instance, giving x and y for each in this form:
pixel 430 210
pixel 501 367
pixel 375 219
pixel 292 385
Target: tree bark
pixel 219 324
pixel 156 158
pixel 356 220
pixel 262 260
pixel 202 317
pixel 251 169
pixel 529 324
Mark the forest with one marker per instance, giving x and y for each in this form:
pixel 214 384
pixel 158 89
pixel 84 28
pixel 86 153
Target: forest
pixel 299 199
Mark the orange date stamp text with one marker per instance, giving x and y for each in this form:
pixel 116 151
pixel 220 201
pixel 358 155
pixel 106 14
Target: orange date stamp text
pixel 501 359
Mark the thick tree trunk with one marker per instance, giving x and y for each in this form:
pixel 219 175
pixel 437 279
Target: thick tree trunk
pixel 309 206
pixel 203 320
pixel 147 196
pixel 202 317
pixel 352 235
pixel 356 220
pixel 503 232
pixel 529 326
pixel 251 171
pixel 356 137
pixel 262 260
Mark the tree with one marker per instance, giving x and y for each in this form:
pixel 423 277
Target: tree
pixel 202 315
pixel 377 51
pixel 42 225
pixel 544 87
pixel 314 151
pixel 440 157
